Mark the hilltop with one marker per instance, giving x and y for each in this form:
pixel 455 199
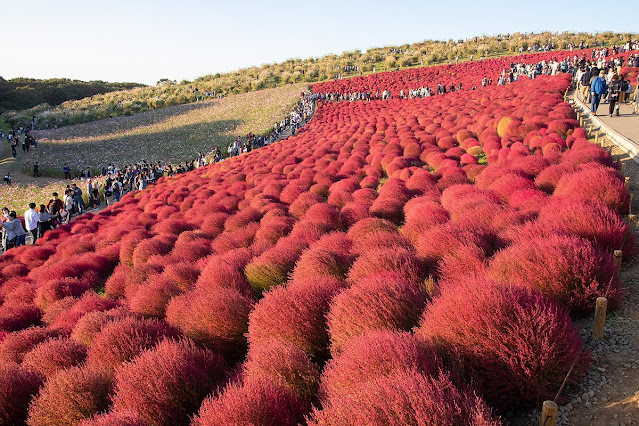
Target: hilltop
pixel 25 93
pixel 351 63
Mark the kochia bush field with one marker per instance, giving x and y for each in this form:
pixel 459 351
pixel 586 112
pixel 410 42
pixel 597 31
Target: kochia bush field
pixel 257 288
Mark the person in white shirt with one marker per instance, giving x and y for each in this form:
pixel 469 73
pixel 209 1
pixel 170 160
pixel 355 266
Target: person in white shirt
pixel 31 221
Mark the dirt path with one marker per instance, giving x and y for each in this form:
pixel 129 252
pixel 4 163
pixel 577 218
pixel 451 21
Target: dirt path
pixel 8 164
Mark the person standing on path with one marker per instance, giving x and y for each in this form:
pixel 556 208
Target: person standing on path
pixel 31 221
pixel 614 89
pixel 15 231
pixel 36 170
pixel 598 89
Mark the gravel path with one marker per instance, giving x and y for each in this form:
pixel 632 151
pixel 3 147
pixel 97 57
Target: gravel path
pixel 609 394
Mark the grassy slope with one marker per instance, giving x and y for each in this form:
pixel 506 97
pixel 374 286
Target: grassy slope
pixel 304 70
pixel 170 134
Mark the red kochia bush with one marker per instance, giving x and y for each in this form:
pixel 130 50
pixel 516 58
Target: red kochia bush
pixel 151 298
pixel 58 288
pixel 124 339
pixel 17 386
pixel 296 314
pixel 589 219
pixel 596 183
pixel 284 364
pixel 167 384
pixel 226 271
pixel 160 244
pixel 394 259
pixel 515 343
pixel 382 301
pixel 217 318
pixel 367 226
pixel 406 397
pixel 328 257
pixel 55 354
pixel 90 302
pixel 15 345
pixel 377 353
pixel 565 268
pixel 92 323
pixel 70 396
pixel 272 267
pixel 17 316
pixel 117 418
pixel 255 402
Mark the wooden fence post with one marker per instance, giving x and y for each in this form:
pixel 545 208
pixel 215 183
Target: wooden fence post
pixel 597 137
pixel 549 411
pixel 623 169
pixel 627 180
pixel 600 318
pixel 632 220
pixel 617 254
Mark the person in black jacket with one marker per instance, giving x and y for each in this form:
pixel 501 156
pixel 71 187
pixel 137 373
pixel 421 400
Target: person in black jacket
pixel 614 89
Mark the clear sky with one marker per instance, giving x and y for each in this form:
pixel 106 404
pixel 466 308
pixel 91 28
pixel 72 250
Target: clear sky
pixel 143 40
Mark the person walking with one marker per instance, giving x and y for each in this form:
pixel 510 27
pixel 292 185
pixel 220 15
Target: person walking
pixel 597 89
pixel 31 221
pixel 36 170
pixel 614 90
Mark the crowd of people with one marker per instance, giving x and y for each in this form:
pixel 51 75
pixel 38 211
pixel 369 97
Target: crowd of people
pixel 299 116
pixel 114 182
pixel 19 139
pixel 575 65
pixel 600 80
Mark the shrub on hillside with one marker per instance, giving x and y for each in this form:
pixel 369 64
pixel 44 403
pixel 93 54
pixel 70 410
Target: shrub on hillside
pixel 55 354
pixel 295 314
pixel 70 396
pixel 90 302
pixel 123 339
pixel 393 259
pixel 92 323
pixel 599 184
pixel 160 244
pixel 568 269
pixel 382 301
pixel 166 384
pixel 367 226
pixel 152 298
pixel 59 288
pixel 589 219
pixel 254 402
pixel 115 418
pixel 376 353
pixel 406 397
pixel 272 267
pixel 328 257
pixel 284 364
pixel 15 345
pixel 183 274
pixel 513 342
pixel 18 316
pixel 17 386
pixel 217 318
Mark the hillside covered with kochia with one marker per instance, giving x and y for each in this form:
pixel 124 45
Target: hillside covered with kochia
pixel 311 70
pixel 397 261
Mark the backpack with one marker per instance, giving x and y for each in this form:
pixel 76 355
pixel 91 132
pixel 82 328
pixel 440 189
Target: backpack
pixel 624 85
